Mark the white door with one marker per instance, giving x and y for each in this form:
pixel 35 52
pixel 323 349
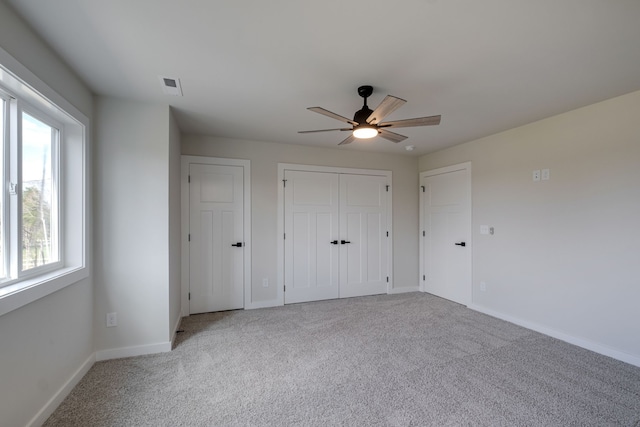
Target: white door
pixel 363 229
pixel 335 235
pixel 311 236
pixel 446 220
pixel 216 249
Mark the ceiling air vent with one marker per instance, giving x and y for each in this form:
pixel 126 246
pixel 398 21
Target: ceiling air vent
pixel 170 86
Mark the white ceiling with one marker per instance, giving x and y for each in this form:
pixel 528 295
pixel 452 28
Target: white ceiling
pixel 250 68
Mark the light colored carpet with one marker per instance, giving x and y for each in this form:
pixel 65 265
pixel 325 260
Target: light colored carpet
pixel 397 360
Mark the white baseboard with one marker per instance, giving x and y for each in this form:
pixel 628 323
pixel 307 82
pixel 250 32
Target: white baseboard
pixel 64 391
pixel 404 290
pixel 138 350
pixel 589 345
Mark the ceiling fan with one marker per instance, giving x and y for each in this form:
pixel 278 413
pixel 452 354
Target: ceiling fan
pixel 367 123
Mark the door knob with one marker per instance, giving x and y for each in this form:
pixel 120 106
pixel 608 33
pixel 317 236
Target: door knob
pixel 238 245
pixel 342 242
pixel 461 244
pixel 334 242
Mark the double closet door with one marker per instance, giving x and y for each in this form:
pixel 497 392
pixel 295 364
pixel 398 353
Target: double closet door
pixel 336 235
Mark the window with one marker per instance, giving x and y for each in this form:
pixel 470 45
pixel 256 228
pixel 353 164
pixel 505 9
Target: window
pixel 43 191
pixel 3 133
pixel 30 238
pixel 38 187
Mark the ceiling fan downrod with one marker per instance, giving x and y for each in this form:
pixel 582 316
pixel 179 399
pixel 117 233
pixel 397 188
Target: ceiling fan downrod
pixel 362 114
pixel 365 92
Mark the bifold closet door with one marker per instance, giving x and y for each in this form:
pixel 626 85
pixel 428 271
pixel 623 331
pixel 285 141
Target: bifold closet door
pixel 335 235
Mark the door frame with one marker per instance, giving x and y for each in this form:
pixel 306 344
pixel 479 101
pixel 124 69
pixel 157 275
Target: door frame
pixel 439 171
pixel 282 167
pixel 185 162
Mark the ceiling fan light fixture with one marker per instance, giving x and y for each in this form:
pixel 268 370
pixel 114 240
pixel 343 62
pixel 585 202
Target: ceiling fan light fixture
pixel 368 123
pixel 365 132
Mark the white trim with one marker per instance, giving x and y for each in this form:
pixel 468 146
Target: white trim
pixel 447 169
pixel 330 169
pixel 282 167
pixel 404 290
pixel 279 233
pixel 390 284
pixel 19 71
pixel 175 331
pixel 185 161
pixel 13 296
pixel 136 350
pixel 55 401
pixel 25 292
pixel 586 344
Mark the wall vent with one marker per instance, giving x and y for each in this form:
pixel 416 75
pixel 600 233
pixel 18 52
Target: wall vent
pixel 170 86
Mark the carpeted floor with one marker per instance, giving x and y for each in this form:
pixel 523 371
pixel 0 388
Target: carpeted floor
pixel 396 360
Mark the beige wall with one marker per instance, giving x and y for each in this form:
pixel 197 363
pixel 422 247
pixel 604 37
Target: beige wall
pixel 565 253
pixel 264 159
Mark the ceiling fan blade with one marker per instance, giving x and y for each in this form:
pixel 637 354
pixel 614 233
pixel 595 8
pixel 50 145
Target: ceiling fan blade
pixel 388 105
pixel 420 121
pixel 328 113
pixel 322 130
pixel 391 136
pixel 348 140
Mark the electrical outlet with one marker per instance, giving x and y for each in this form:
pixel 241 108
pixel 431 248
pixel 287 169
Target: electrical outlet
pixel 536 175
pixel 545 174
pixel 112 319
pixel 265 282
pixel 483 286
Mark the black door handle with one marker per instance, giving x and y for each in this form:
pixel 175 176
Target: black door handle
pixel 238 245
pixel 342 242
pixel 461 244
pixel 334 242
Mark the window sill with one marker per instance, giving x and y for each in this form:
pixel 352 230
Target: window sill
pixel 27 291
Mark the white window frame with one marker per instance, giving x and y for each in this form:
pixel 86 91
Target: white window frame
pixel 15 269
pixel 38 100
pixel 4 211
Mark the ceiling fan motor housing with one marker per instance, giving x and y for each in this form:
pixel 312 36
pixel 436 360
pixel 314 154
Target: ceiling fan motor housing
pixel 362 115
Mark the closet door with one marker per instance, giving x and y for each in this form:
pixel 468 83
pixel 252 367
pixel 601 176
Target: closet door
pixel 311 233
pixel 363 229
pixel 336 240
